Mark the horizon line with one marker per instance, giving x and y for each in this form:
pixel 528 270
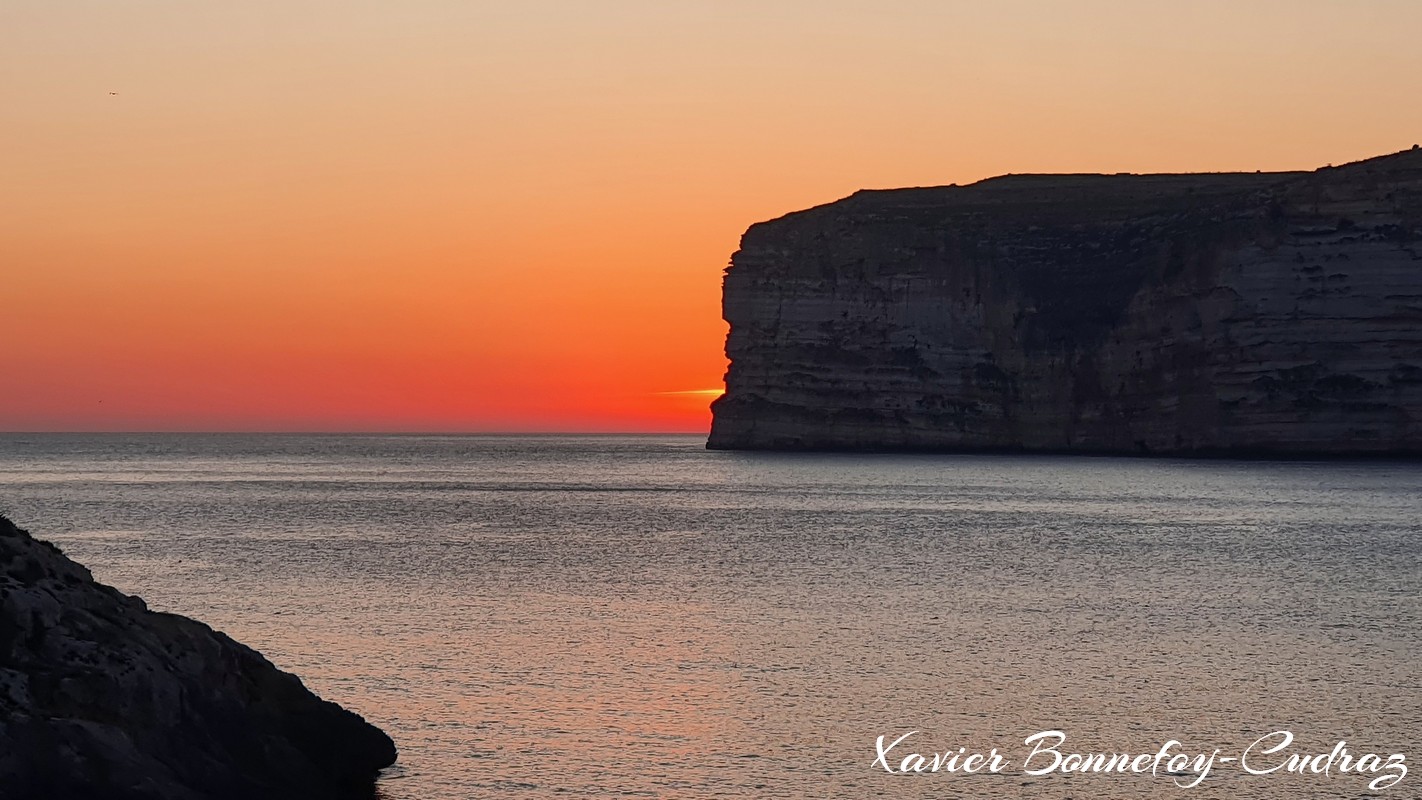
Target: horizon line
pixel 352 433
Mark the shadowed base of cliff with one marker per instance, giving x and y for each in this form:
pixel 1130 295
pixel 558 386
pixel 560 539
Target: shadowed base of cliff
pixel 795 430
pixel 100 697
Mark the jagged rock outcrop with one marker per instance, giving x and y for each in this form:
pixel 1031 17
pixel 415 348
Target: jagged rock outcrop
pixel 1210 314
pixel 102 698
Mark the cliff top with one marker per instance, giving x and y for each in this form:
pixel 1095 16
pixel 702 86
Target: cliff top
pixel 1069 197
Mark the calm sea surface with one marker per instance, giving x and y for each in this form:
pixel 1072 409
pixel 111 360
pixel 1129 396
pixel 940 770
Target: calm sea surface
pixel 604 617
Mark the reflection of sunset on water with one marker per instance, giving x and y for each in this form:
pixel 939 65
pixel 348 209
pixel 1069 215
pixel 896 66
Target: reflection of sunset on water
pixel 383 337
pixel 553 617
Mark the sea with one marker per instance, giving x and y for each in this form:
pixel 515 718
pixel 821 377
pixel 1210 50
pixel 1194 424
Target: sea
pixel 635 616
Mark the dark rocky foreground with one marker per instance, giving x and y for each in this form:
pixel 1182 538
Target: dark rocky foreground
pixel 102 698
pixel 1259 314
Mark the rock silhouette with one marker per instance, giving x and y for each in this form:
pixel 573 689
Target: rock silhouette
pixel 102 698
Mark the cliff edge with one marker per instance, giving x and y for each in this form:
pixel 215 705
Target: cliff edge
pixel 1251 314
pixel 102 698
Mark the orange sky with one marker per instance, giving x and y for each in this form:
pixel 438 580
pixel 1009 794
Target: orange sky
pixel 453 215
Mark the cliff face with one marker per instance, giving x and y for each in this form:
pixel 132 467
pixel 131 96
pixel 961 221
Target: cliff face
pixel 100 697
pixel 1247 314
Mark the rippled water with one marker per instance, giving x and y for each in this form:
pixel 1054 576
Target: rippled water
pixel 635 616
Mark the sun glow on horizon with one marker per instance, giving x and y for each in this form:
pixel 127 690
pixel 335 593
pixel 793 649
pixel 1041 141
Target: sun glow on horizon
pixel 477 216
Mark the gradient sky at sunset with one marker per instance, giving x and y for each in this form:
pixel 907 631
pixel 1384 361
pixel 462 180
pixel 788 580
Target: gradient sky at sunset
pixel 442 215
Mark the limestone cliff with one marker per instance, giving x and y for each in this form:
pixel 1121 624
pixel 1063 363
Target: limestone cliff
pixel 102 698
pixel 1209 314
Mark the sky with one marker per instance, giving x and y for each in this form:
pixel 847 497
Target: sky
pixel 441 215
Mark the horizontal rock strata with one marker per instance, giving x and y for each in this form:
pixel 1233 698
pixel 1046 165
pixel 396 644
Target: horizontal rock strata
pixel 1210 314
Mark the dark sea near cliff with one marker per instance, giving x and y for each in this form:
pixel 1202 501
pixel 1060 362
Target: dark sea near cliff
pixel 609 616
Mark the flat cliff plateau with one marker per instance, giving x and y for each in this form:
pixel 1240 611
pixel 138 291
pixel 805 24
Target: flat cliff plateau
pixel 101 698
pixel 1249 314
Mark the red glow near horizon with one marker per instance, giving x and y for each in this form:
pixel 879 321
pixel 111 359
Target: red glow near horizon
pixel 475 217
